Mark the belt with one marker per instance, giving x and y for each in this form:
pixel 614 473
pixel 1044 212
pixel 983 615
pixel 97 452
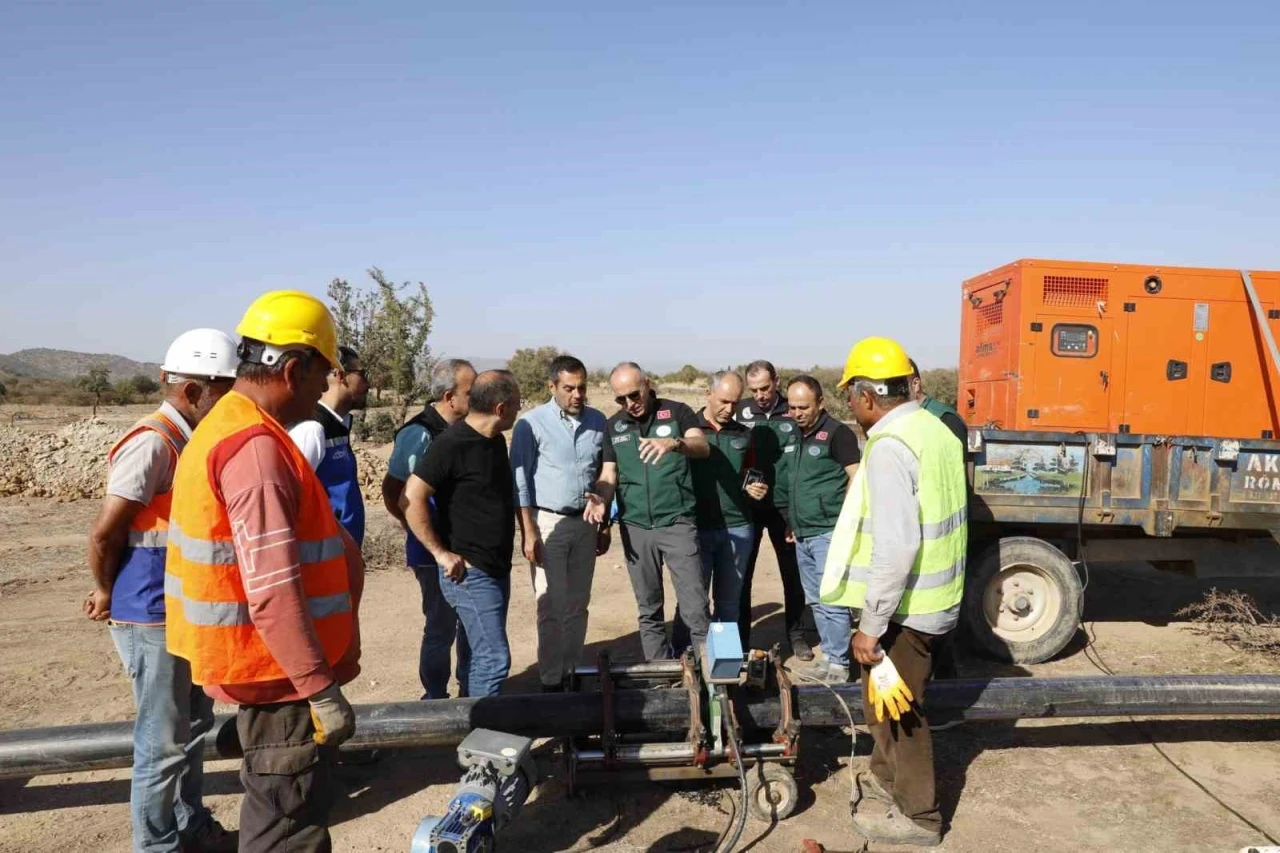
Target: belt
pixel 560 511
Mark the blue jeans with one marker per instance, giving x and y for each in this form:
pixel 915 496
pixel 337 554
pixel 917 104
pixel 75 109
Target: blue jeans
pixel 165 797
pixel 835 624
pixel 725 554
pixel 438 636
pixel 480 601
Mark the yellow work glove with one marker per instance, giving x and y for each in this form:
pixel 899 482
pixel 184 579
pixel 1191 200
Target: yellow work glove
pixel 332 715
pixel 887 691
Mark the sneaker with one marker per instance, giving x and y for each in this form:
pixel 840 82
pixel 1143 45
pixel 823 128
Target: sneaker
pixel 886 824
pixel 801 650
pixel 209 838
pixel 836 674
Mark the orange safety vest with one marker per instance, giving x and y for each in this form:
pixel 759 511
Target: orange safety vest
pixel 137 595
pixel 207 620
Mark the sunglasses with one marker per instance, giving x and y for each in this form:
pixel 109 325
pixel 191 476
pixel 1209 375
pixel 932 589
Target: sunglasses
pixel 633 397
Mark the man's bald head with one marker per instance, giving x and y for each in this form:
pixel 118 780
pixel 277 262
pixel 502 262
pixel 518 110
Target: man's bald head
pixel 724 390
pixel 630 388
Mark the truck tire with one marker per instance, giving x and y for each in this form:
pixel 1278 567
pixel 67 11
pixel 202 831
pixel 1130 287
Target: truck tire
pixel 1022 600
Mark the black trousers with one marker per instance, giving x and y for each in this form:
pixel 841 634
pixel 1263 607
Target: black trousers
pixel 769 519
pixel 287 778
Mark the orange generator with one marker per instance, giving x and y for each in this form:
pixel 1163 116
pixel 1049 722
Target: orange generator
pixel 1067 346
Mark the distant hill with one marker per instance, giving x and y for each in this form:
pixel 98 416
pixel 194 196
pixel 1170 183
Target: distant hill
pixel 42 363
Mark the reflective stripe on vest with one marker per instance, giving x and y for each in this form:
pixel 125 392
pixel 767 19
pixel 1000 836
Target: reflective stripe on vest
pixel 137 594
pixel 208 620
pixel 936 582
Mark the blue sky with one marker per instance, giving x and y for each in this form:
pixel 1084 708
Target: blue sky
pixel 669 183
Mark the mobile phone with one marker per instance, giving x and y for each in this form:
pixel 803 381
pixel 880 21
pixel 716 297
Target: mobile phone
pixel 750 476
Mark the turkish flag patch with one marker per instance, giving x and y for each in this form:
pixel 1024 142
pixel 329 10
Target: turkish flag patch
pixel 664 414
pixel 822 436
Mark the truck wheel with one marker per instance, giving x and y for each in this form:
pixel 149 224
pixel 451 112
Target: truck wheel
pixel 772 793
pixel 1022 600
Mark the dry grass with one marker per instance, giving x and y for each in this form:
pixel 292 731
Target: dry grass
pixel 1235 619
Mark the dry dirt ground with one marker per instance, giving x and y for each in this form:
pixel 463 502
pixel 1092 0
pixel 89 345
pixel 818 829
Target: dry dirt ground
pixel 1036 785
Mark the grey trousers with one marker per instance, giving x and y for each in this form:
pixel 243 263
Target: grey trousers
pixel 646 551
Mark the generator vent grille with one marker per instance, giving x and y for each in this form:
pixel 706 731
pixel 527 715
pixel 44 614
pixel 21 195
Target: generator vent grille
pixel 1068 291
pixel 990 318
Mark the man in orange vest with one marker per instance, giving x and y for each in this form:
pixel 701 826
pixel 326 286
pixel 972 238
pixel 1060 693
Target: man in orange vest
pixel 126 556
pixel 262 583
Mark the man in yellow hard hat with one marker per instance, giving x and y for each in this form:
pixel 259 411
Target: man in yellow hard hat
pixel 898 554
pixel 262 583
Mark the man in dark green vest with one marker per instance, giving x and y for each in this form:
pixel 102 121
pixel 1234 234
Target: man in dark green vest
pixel 647 448
pixel 950 417
pixel 725 498
pixel 819 459
pixel 765 411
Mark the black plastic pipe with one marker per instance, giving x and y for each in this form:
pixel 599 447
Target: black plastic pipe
pixel 68 749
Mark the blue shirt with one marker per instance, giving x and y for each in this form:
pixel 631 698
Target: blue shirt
pixel 555 457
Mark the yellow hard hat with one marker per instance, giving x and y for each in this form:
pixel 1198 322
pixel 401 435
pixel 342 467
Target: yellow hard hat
pixel 284 318
pixel 877 359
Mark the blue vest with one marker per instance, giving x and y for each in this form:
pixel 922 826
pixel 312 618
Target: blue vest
pixel 137 595
pixel 415 553
pixel 337 472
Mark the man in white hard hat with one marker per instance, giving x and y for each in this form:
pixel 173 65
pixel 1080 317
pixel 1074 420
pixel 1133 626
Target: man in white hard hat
pixel 127 557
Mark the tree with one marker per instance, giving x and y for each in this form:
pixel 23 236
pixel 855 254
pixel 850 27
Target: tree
pixel 123 392
pixel 389 325
pixel 941 384
pixel 687 375
pixel 530 368
pixel 4 392
pixel 97 382
pixel 144 385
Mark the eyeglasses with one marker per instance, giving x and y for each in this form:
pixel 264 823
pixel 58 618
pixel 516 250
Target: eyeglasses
pixel 633 397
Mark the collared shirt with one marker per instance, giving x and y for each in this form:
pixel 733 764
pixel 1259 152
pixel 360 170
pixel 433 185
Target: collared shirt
pixel 893 481
pixel 143 466
pixel 555 457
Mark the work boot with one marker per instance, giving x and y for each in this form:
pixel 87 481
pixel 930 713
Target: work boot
pixel 800 649
pixel 886 824
pixel 867 788
pixel 209 838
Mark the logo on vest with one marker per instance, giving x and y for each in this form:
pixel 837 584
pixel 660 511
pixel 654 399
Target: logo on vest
pixel 738 444
pixel 664 414
pixel 620 426
pixel 790 448
pixel 785 427
pixel 814 450
pixel 620 439
pixel 822 436
pixel 664 431
pixel 747 415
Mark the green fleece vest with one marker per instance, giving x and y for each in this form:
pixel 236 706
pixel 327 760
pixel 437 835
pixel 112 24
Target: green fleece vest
pixel 651 495
pixel 717 480
pixel 816 483
pixel 937 408
pixel 936 583
pixel 770 433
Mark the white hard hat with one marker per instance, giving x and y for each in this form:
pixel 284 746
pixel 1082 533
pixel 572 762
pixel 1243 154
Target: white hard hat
pixel 202 353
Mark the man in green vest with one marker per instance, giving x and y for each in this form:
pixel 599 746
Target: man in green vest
pixel 765 412
pixel 646 453
pixel 819 458
pixel 950 417
pixel 898 554
pixel 725 499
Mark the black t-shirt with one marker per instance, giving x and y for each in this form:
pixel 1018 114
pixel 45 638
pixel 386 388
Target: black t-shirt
pixel 475 506
pixel 844 442
pixel 684 418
